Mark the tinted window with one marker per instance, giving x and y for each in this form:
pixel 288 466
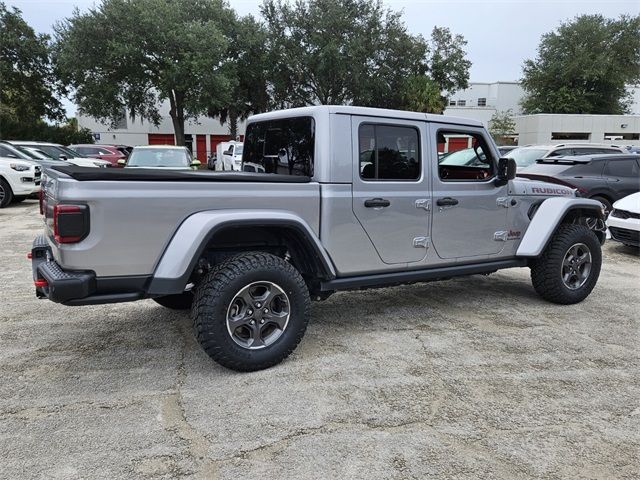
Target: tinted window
pixel 622 168
pixel 280 146
pixel 388 152
pixel 593 168
pixel 561 152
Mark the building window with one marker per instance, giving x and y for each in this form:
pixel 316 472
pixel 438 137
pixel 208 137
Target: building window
pixel 622 136
pixel 482 102
pixel 462 103
pixel 452 103
pixel 570 136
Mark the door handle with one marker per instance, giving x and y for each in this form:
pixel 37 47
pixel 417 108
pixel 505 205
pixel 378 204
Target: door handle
pixel 447 202
pixel 376 203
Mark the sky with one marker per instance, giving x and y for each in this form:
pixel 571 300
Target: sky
pixel 501 34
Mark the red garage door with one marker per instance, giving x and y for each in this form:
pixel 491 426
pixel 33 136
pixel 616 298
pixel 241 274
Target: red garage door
pixel 161 139
pixel 458 143
pixel 216 139
pixel 201 148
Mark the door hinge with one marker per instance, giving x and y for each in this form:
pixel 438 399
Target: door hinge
pixel 421 242
pixel 503 202
pixel 424 203
pixel 501 236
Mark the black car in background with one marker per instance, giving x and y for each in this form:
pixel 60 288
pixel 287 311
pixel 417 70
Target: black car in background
pixel 606 178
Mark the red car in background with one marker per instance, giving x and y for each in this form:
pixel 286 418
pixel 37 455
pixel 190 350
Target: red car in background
pixel 110 153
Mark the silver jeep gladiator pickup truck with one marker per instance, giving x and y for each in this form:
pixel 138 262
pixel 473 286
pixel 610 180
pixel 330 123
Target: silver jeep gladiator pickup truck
pixel 331 198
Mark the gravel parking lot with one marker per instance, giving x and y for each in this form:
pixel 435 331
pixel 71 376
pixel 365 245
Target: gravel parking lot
pixel 469 378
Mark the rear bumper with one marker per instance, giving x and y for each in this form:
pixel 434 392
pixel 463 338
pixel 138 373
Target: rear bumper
pixel 79 287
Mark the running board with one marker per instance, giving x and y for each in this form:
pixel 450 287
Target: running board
pixel 413 276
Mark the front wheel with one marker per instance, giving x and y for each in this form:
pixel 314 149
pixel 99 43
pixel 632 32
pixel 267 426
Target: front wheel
pixel 569 268
pixel 6 194
pixel 251 312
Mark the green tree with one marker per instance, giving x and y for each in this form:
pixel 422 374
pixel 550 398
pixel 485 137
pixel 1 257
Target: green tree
pixel 584 67
pixel 502 125
pixel 134 54
pixel 447 62
pixel 249 72
pixel 339 52
pixel 422 94
pixel 28 87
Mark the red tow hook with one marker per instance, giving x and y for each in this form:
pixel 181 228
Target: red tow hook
pixel 29 255
pixel 40 282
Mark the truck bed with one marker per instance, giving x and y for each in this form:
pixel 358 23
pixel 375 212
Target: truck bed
pixel 89 174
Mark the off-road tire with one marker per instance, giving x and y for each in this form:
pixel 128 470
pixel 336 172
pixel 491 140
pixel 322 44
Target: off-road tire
pixel 215 293
pixel 6 194
pixel 181 301
pixel 546 271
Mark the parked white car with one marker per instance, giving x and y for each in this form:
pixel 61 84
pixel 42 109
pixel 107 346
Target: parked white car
pixel 624 220
pixel 229 156
pixel 60 152
pixel 163 157
pixel 18 180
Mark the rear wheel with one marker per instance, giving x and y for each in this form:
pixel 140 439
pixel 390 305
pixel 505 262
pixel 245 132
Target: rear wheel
pixel 6 194
pixel 251 312
pixel 569 268
pixel 180 301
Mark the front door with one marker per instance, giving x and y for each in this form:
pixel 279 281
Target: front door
pixel 391 187
pixel 469 210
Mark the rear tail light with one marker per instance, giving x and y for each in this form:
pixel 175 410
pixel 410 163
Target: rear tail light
pixel 70 223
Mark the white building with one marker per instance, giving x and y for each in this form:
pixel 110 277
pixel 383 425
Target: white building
pixel 561 128
pixel 201 135
pixel 481 100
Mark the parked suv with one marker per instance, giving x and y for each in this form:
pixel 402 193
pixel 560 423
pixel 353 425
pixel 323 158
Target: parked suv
pixel 341 198
pixel 18 180
pixel 606 178
pixel 527 155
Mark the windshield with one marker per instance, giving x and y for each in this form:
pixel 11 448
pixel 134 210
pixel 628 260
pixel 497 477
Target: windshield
pixel 466 157
pixel 284 146
pixel 526 156
pixel 159 157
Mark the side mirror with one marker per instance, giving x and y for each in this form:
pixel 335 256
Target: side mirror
pixel 122 162
pixel 63 157
pixel 195 164
pixel 506 171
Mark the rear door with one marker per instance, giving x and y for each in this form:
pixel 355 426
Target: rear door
pixel 623 176
pixel 469 210
pixel 391 195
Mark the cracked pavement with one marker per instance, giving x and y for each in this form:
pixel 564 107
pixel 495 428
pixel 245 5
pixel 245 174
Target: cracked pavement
pixel 469 378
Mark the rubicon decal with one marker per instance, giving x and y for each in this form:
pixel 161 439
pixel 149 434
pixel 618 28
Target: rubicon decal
pixel 514 234
pixel 550 191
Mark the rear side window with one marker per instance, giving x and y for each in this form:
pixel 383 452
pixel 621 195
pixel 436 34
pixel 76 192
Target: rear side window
pixel 622 168
pixel 283 146
pixel 388 152
pixel 561 152
pixel 593 168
